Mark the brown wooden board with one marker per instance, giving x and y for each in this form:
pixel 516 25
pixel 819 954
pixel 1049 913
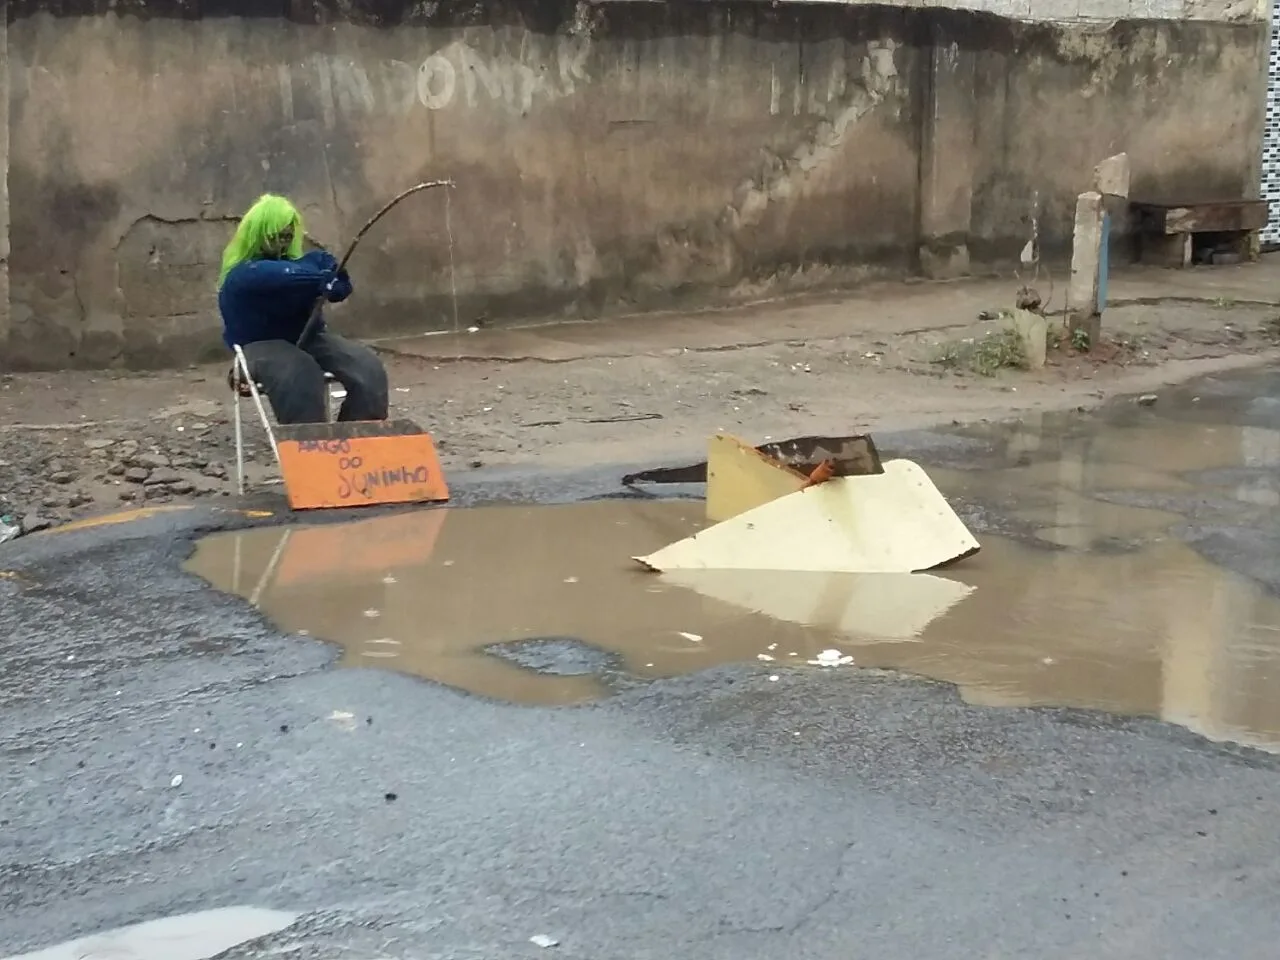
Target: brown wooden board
pixel 854 456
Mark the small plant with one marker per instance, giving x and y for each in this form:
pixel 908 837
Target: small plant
pixel 1224 303
pixel 1080 340
pixel 985 356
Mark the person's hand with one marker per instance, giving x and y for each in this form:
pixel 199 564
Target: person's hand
pixel 326 261
pixel 338 287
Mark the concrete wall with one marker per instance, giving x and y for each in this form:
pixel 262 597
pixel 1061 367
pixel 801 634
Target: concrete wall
pixel 608 157
pixel 4 185
pixel 1185 100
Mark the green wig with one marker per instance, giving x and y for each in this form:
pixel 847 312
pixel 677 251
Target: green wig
pixel 261 224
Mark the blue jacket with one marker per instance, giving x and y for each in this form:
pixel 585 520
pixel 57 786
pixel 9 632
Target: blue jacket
pixel 272 299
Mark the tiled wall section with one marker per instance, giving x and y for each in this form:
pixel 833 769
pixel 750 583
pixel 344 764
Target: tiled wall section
pixel 1271 135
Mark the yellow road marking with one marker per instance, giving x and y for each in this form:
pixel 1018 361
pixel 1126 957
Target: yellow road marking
pixel 110 519
pixel 140 513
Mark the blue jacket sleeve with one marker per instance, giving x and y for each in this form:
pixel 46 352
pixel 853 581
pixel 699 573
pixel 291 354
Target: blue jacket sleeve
pixel 312 271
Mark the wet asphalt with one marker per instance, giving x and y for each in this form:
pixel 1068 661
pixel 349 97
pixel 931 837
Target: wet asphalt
pixel 826 815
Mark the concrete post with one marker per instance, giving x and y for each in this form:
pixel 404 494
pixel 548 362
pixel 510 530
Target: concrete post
pixel 1083 308
pixel 947 160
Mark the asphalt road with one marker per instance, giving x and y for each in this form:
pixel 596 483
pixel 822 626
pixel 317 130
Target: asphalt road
pixel 826 815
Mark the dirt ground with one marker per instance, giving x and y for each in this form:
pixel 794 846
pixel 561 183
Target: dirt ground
pixel 642 389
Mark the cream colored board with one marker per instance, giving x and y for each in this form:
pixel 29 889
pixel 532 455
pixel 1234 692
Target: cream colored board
pixel 893 522
pixel 741 478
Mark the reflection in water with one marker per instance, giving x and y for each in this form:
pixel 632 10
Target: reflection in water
pixel 1149 629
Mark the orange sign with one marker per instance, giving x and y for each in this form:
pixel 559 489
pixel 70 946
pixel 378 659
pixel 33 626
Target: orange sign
pixel 360 471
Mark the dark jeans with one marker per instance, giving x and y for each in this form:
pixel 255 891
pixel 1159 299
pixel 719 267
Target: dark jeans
pixel 293 378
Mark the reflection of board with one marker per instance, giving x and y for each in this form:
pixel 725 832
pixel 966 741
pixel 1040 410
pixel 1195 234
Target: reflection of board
pixel 359 464
pixel 351 551
pixel 879 606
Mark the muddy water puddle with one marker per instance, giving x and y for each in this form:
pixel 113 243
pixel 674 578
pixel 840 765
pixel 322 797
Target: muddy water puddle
pixel 1100 606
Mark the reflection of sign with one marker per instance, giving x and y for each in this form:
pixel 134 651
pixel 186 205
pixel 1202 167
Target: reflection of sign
pixel 359 464
pixel 352 551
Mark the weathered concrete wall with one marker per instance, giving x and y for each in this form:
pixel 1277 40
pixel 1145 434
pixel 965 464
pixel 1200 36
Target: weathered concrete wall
pixel 607 157
pixel 1185 100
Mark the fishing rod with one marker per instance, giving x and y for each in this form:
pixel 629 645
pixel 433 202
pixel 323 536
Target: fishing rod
pixel 317 309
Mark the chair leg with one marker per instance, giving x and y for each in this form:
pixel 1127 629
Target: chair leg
pixel 257 402
pixel 334 393
pixel 239 444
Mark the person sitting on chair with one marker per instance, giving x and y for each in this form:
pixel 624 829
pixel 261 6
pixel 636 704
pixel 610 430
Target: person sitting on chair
pixel 266 292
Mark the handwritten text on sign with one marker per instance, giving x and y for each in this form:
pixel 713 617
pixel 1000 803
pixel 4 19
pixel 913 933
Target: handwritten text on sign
pixel 361 471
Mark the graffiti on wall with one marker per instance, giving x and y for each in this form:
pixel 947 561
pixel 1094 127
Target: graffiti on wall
pixel 457 75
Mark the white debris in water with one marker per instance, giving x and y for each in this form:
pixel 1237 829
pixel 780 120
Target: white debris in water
pixel 176 781
pixel 1048 661
pixel 344 719
pixel 570 579
pixel 373 613
pixel 773 678
pixel 772 646
pixel 691 637
pixel 388 579
pixel 542 940
pixel 831 658
pixel 764 656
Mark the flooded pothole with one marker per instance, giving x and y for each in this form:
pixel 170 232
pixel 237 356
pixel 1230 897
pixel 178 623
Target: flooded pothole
pixel 1158 631
pixel 1091 603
